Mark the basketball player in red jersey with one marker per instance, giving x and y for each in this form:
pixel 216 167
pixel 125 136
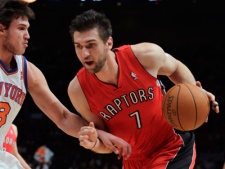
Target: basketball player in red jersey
pixel 10 145
pixel 118 89
pixel 19 76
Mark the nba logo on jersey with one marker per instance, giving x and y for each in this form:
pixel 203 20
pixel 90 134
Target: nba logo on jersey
pixel 133 75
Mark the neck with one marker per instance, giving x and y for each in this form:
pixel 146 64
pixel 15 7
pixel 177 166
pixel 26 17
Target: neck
pixel 109 73
pixel 9 62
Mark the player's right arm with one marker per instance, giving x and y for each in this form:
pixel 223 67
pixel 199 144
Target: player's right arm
pixel 89 139
pixel 111 142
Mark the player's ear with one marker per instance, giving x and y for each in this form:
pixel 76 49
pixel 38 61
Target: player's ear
pixel 2 27
pixel 110 42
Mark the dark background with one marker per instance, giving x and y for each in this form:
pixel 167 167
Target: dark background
pixel 190 30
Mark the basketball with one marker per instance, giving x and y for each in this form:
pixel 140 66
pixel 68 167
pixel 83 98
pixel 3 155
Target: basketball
pixel 185 107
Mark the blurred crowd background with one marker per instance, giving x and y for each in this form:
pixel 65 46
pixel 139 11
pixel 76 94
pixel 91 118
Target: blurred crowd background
pixel 190 30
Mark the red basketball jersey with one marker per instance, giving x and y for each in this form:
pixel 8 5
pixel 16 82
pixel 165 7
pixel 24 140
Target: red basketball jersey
pixel 10 139
pixel 131 110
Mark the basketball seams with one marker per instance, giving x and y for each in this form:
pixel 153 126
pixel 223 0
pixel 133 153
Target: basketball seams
pixel 206 97
pixel 185 107
pixel 177 110
pixel 196 110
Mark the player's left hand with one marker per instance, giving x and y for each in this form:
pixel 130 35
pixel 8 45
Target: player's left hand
pixel 215 104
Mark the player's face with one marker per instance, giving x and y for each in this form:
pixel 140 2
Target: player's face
pixel 15 38
pixel 91 50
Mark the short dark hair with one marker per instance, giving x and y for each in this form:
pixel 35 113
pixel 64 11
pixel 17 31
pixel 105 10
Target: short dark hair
pixel 13 9
pixel 91 19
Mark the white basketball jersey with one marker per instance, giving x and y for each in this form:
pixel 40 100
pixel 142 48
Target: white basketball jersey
pixel 13 89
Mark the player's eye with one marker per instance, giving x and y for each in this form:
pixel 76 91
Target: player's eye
pixel 78 46
pixel 90 45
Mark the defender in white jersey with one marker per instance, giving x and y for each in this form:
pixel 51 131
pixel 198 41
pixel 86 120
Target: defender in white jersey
pixel 19 76
pixel 12 91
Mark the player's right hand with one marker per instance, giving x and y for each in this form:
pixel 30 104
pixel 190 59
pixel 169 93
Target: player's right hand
pixel 88 136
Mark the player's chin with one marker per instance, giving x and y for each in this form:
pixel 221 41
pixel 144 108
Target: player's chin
pixel 89 70
pixel 20 52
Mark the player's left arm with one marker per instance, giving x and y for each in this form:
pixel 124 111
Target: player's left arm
pixel 157 62
pixel 180 73
pixel 39 90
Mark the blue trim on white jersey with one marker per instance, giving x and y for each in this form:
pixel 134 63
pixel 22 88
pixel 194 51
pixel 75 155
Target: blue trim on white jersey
pixel 25 72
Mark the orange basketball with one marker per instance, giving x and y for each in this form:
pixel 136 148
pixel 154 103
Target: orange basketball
pixel 185 107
